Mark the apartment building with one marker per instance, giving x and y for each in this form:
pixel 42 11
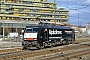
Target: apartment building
pixel 16 14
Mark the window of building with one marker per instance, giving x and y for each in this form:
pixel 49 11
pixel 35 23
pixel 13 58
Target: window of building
pixel 15 9
pixel 14 1
pixel 66 16
pixel 20 10
pixel 63 12
pixel 6 0
pixel 64 20
pixel 0 17
pixel 41 0
pixel 66 12
pixel 33 14
pixel 27 2
pixel 32 10
pixel 62 16
pixel 27 14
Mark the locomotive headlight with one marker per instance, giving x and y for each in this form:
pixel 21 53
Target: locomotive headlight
pixel 64 30
pixel 45 30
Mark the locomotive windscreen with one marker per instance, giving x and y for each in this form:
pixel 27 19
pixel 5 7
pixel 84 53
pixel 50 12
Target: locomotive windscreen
pixel 31 29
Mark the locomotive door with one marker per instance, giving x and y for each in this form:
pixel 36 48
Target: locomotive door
pixel 42 36
pixel 45 34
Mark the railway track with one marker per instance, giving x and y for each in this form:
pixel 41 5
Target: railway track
pixel 14 49
pixel 7 50
pixel 67 55
pixel 44 53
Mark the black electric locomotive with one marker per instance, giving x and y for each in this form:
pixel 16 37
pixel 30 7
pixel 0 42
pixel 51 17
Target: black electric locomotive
pixel 42 35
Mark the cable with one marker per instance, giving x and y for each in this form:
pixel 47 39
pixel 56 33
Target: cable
pixel 67 4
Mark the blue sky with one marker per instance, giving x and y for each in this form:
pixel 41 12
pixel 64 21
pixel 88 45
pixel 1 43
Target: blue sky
pixel 79 10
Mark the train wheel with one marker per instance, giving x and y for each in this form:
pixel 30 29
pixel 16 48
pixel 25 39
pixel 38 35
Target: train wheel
pixel 39 47
pixel 52 44
pixel 69 41
pixel 64 42
pixel 42 46
pixel 24 48
pixel 73 40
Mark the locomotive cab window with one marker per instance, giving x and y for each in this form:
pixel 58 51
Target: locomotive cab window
pixel 28 30
pixel 34 29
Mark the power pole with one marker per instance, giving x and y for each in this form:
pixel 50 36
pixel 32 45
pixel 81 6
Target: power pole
pixel 78 19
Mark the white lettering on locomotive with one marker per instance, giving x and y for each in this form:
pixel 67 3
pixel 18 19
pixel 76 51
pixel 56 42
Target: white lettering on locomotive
pixel 68 32
pixel 54 32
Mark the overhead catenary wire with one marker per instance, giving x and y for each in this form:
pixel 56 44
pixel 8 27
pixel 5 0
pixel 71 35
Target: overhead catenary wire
pixel 81 9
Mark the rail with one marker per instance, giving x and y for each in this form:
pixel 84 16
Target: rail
pixel 41 54
pixel 7 50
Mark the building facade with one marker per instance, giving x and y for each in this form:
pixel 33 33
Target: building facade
pixel 88 28
pixel 16 14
